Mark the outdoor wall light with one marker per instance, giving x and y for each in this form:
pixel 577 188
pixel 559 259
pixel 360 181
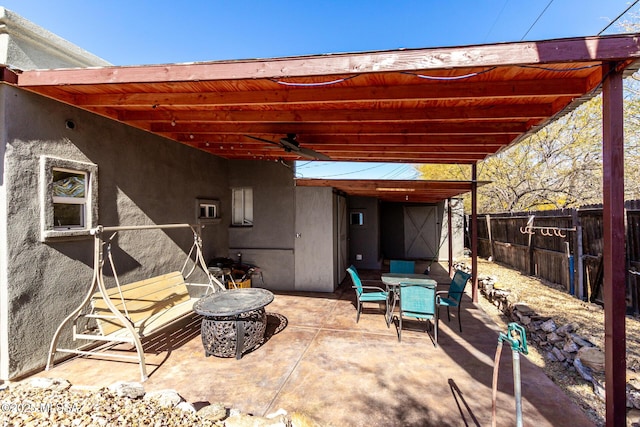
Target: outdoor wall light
pixel 70 124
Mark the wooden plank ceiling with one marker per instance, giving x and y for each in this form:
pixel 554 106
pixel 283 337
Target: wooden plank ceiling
pixel 436 105
pixel 399 191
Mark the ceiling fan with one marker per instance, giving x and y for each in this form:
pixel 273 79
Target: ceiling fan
pixel 290 144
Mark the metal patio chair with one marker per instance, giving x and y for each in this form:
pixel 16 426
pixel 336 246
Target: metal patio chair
pixel 454 295
pixel 402 266
pixel 418 302
pixel 368 294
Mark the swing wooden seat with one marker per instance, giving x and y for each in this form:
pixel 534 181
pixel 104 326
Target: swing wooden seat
pixel 152 304
pixel 128 313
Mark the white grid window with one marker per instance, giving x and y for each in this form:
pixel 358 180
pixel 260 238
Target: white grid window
pixel 207 211
pixel 242 206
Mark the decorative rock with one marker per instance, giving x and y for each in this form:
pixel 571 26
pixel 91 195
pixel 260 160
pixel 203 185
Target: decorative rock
pixel 583 370
pixel 165 398
pixel 549 326
pixel 554 338
pixel 523 308
pixel 100 421
pixel 581 341
pixel 278 413
pixel 186 406
pixel 633 380
pixel 95 408
pixel 558 354
pixel 592 357
pixel 570 347
pixel 132 390
pixel 56 384
pixel 525 320
pixel 302 420
pixel 598 389
pixel 214 412
pixel 633 418
pixel 566 329
pixel 551 356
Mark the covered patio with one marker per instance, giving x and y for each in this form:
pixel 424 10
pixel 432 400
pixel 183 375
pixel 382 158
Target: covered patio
pixel 440 105
pixel 319 362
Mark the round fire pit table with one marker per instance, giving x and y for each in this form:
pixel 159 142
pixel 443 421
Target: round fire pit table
pixel 234 321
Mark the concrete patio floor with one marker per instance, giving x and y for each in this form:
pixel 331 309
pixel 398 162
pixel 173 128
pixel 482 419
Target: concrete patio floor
pixel 316 360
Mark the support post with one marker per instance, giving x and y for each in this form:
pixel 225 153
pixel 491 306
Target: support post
pixel 474 232
pixel 449 236
pixel 614 248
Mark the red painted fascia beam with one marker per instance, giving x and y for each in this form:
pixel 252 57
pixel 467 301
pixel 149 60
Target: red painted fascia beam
pixel 7 75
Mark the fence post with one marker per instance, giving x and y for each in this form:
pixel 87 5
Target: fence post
pixel 578 251
pixel 488 218
pixel 532 267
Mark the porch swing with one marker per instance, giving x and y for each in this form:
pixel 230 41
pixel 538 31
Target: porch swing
pixel 128 313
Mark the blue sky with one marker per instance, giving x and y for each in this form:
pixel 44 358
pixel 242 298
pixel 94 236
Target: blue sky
pixel 138 32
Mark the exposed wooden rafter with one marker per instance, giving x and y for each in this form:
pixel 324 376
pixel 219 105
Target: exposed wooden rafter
pixel 437 105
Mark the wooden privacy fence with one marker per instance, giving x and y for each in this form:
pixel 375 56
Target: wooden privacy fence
pixel 563 247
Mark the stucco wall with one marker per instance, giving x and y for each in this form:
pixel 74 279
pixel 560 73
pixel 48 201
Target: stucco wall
pixel 4 317
pixel 269 243
pixel 142 179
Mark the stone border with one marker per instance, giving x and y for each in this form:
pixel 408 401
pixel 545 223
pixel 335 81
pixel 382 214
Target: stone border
pixel 558 344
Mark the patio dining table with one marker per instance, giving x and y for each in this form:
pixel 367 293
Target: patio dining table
pixel 393 281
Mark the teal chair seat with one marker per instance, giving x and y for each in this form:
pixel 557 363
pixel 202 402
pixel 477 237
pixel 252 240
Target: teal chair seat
pixel 368 294
pixel 373 296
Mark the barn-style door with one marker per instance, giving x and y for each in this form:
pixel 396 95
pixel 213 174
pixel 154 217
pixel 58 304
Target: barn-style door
pixel 421 233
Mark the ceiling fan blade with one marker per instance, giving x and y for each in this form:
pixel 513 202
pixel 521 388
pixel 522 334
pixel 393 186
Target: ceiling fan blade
pixel 263 140
pixel 312 154
pixel 290 144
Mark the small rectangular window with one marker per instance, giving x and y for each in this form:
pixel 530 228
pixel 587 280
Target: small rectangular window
pixel 242 206
pixel 69 190
pixel 357 218
pixel 68 198
pixel 207 211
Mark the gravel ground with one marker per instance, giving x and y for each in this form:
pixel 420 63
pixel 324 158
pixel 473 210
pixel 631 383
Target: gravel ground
pixel 548 299
pixel 22 405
